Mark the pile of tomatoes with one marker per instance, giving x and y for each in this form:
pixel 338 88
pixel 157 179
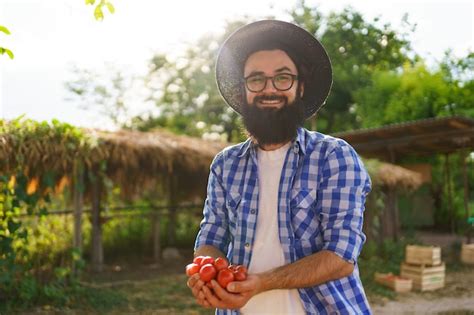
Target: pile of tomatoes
pixel 218 269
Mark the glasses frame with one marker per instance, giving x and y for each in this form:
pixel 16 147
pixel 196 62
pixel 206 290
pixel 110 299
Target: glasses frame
pixel 293 76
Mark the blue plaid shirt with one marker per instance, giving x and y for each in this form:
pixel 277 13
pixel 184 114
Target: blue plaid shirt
pixel 322 192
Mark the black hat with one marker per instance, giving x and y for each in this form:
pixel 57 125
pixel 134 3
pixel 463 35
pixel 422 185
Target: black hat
pixel 297 42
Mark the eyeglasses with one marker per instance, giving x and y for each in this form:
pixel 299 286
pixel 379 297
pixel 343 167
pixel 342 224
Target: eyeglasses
pixel 282 82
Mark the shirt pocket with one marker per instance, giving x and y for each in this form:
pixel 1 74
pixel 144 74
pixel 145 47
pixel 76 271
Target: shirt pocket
pixel 305 220
pixel 233 204
pixel 302 198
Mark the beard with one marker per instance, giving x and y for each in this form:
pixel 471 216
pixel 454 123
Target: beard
pixel 273 125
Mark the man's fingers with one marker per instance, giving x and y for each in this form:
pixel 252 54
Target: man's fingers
pixel 220 292
pixel 211 298
pixel 192 280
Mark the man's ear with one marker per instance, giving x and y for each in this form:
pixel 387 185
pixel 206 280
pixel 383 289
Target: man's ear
pixel 301 89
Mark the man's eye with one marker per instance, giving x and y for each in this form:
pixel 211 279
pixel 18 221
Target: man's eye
pixel 283 78
pixel 256 80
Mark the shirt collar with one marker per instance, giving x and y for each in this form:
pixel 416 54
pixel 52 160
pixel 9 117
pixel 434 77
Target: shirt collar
pixel 298 144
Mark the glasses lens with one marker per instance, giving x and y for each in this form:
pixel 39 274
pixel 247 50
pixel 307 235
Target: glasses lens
pixel 283 81
pixel 256 83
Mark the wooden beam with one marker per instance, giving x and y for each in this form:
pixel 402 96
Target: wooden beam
pixel 407 140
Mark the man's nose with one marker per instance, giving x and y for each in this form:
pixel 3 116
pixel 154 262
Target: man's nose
pixel 269 86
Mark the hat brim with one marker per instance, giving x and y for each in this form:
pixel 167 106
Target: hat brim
pixel 236 49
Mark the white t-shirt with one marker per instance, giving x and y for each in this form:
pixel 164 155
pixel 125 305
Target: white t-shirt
pixel 267 252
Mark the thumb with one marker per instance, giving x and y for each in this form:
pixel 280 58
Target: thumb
pixel 240 286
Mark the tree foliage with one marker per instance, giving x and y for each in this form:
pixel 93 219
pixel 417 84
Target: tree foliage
pixel 416 93
pixel 357 48
pixel 185 92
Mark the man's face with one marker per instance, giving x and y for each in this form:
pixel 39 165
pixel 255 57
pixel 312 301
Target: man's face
pixel 272 114
pixel 269 63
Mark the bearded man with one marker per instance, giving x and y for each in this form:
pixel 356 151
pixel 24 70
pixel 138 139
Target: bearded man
pixel 287 203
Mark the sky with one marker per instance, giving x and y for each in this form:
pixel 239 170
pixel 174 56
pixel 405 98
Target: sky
pixel 48 37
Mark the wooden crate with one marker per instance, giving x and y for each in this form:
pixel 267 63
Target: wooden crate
pixel 423 255
pixel 424 277
pixel 396 283
pixel 467 254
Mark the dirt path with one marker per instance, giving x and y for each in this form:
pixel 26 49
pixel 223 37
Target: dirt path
pixel 457 297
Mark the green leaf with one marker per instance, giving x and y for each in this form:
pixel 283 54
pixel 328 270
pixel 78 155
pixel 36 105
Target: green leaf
pixel 111 8
pixel 43 211
pixel 98 14
pixel 91 2
pixel 9 53
pixel 4 30
pixel 13 226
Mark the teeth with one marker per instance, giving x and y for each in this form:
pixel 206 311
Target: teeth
pixel 270 102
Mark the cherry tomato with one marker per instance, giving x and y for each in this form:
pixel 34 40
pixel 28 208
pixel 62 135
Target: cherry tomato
pixel 207 272
pixel 198 260
pixel 207 260
pixel 240 276
pixel 224 277
pixel 192 269
pixel 241 268
pixel 221 263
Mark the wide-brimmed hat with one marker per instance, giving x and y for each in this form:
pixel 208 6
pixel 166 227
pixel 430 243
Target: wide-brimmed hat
pixel 289 37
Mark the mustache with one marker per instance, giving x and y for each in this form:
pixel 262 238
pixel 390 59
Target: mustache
pixel 270 98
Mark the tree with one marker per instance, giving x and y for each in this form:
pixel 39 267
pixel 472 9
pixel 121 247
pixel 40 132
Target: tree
pixel 356 48
pixel 109 93
pixel 185 92
pixel 417 93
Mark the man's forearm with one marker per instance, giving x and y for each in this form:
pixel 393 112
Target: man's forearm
pixel 208 250
pixel 307 272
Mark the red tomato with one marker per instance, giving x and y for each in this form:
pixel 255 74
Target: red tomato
pixel 207 260
pixel 198 260
pixel 239 275
pixel 192 269
pixel 232 267
pixel 241 268
pixel 224 277
pixel 207 272
pixel 221 263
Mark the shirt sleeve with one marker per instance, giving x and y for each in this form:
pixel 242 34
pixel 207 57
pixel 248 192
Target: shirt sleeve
pixel 343 189
pixel 214 225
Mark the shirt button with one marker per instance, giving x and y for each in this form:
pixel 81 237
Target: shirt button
pixel 247 245
pixel 252 211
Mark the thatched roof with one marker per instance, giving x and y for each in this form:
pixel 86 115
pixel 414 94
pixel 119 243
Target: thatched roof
pixel 138 162
pixel 393 176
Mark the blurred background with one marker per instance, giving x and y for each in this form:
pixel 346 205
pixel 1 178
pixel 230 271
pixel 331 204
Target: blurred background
pixel 110 117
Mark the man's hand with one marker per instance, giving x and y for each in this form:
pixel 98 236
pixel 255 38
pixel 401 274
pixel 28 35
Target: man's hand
pixel 196 285
pixel 242 291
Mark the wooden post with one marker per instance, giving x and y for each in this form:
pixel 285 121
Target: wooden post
pixel 78 189
pixel 172 202
pixel 156 237
pixel 387 215
pixel 464 156
pixel 97 250
pixel 448 187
